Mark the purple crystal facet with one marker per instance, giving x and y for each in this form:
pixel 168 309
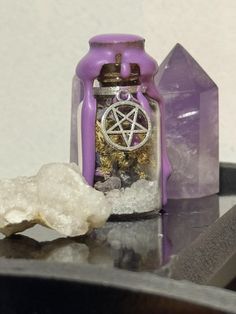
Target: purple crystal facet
pixel 191 103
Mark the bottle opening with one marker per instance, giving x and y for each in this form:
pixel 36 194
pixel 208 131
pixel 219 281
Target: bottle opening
pixel 114 39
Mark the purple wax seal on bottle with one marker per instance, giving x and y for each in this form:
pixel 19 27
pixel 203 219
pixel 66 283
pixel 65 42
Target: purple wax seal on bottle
pixel 117 124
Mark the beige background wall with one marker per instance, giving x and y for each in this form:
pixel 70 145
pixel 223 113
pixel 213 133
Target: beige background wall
pixel 41 42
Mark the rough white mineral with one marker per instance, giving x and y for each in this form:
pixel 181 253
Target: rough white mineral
pixel 57 197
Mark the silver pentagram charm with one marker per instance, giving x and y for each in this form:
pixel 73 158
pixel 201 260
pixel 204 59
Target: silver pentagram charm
pixel 126 126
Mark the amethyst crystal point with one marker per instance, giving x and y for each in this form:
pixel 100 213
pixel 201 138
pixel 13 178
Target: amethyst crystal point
pixel 191 104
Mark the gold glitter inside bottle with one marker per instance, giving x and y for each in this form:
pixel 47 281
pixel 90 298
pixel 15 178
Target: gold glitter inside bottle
pixel 125 131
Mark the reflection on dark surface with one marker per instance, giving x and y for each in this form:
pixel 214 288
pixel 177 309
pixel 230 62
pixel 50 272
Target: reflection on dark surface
pixel 138 245
pixel 134 245
pixel 128 245
pixel 187 241
pixel 184 220
pixel 59 250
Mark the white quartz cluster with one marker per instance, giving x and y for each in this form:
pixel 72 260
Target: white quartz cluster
pixel 56 197
pixel 59 198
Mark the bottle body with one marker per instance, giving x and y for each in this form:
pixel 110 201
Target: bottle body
pixel 128 161
pixel 117 124
pixel 127 148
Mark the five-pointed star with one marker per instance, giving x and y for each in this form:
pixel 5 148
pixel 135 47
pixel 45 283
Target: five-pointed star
pixel 135 127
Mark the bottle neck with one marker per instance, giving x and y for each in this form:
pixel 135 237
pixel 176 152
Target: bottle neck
pixel 116 90
pixel 119 82
pixel 110 76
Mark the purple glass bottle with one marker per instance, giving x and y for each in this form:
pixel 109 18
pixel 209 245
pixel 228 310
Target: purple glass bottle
pixel 117 125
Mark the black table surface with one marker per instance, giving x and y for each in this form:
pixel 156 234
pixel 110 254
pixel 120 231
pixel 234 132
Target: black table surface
pixel 192 243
